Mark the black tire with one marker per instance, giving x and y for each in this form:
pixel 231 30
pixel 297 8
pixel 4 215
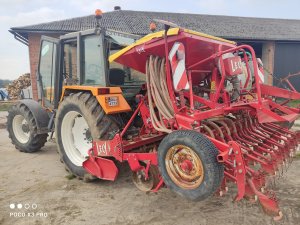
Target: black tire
pixel 101 126
pixel 35 141
pixel 206 151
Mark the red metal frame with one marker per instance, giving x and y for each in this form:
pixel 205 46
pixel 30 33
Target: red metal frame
pixel 243 141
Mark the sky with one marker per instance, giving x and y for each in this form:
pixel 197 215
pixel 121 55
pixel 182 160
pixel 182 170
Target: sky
pixel 14 57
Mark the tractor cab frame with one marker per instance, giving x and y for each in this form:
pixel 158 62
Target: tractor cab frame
pixel 77 59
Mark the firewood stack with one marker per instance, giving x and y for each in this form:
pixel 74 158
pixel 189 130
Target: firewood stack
pixel 14 88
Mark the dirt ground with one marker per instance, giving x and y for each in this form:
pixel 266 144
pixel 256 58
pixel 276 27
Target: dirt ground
pixel 48 196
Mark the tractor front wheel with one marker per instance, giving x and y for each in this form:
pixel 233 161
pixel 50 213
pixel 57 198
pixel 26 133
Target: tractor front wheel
pixel 188 164
pixel 79 120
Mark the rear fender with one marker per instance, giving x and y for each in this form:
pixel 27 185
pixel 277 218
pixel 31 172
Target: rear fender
pixel 102 94
pixel 40 115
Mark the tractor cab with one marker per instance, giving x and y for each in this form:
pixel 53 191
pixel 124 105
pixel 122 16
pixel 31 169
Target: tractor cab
pixel 81 59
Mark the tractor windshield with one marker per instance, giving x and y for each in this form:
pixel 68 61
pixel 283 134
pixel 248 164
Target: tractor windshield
pixel 120 75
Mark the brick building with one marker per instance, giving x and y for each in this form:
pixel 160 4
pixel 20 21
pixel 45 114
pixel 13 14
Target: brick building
pixel 276 41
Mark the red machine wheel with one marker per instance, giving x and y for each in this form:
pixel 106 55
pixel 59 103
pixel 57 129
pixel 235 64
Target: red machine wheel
pixel 188 164
pixel 184 167
pixel 144 184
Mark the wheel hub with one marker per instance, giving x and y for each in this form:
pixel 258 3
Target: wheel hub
pixel 88 135
pixel 21 129
pixel 25 127
pixel 184 167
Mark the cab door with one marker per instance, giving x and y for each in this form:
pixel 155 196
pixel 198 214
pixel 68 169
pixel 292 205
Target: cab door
pixel 48 70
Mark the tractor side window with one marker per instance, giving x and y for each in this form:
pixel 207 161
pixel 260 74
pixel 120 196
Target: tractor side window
pixel 92 64
pixel 120 75
pixel 47 69
pixel 70 63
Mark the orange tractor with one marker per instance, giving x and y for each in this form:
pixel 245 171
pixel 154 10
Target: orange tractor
pixel 185 109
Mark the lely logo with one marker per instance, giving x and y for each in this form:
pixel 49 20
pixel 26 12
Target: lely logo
pixel 20 210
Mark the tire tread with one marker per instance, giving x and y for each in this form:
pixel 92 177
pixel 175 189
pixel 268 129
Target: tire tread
pixel 37 141
pixel 94 115
pixel 210 158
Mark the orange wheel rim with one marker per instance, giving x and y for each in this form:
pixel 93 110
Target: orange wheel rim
pixel 184 167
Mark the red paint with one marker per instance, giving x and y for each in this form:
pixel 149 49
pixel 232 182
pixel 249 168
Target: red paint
pixel 233 66
pixel 186 165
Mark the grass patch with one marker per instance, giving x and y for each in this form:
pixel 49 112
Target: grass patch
pixel 297 156
pixel 70 176
pixel 5 105
pixel 294 103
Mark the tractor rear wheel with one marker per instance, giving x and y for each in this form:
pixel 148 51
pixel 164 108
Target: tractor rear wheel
pixel 79 120
pixel 188 164
pixel 22 129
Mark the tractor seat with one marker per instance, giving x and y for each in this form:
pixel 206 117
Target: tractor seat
pixel 116 76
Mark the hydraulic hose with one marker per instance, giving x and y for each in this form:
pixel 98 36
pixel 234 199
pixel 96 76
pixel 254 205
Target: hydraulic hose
pixel 158 95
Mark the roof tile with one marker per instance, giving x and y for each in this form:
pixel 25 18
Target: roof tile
pixel 137 22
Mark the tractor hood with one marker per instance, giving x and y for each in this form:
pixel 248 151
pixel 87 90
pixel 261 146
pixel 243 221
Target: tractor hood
pixel 198 45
